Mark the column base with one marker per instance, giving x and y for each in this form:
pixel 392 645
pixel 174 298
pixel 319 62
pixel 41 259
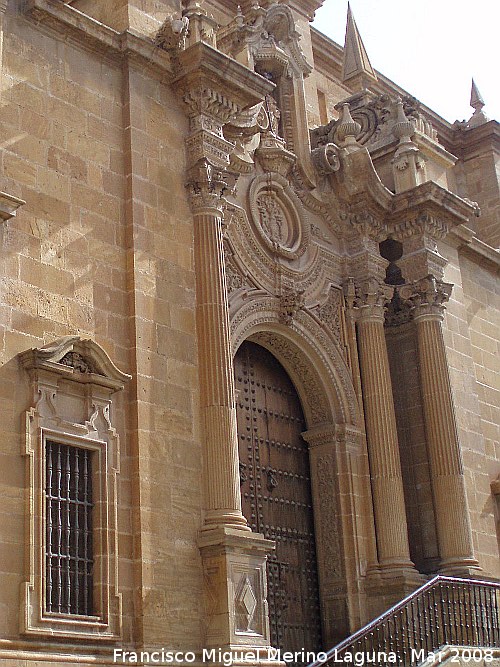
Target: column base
pixel 234 566
pixel 463 567
pixel 230 518
pixel 389 585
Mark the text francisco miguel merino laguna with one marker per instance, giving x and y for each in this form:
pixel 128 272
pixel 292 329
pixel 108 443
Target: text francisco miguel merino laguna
pixel 253 656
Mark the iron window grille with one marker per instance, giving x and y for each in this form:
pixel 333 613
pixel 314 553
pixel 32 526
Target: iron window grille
pixel 69 530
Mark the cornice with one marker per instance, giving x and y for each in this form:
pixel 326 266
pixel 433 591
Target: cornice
pixel 475 249
pixel 433 197
pixel 469 142
pixel 87 32
pixel 201 62
pixel 8 206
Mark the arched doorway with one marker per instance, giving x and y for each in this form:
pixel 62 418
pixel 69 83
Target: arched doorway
pixel 276 494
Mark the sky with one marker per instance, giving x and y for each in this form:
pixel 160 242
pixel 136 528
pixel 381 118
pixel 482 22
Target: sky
pixel 431 48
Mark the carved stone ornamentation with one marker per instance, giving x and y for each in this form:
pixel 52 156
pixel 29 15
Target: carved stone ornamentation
pixel 376 116
pixel 208 186
pixel 326 159
pixel 273 155
pixel 270 39
pixel 172 34
pixel 330 313
pixel 290 303
pixel 428 295
pixel 275 214
pixel 367 224
pixel 235 279
pixel 272 218
pixel 327 482
pixel 368 298
pixel 73 384
pixel 246 605
pixel 78 362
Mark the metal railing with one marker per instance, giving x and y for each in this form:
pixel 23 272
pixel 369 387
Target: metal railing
pixel 445 611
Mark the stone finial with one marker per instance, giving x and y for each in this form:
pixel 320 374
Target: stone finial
pixel 356 67
pixel 347 128
pixel 403 128
pixel 408 163
pixel 477 103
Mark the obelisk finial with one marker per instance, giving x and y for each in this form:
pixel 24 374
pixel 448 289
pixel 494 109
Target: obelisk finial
pixel 357 70
pixel 477 103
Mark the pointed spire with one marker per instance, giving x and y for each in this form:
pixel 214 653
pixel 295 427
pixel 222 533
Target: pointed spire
pixel 356 69
pixel 476 99
pixel 477 103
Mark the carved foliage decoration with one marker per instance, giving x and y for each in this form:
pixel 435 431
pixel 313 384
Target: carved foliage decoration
pixel 279 218
pixel 327 486
pixel 235 278
pixel 260 313
pixel 330 313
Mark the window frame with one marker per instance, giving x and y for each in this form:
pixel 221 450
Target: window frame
pixel 72 405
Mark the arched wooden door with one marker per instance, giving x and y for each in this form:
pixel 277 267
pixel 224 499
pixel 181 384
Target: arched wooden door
pixel 276 494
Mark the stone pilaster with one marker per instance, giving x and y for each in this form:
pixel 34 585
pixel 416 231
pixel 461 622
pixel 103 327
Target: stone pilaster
pixel 427 297
pixel 380 419
pixel 339 493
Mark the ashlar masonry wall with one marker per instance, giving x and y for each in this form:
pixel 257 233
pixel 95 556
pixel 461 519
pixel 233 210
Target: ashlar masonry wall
pixel 472 335
pixel 103 249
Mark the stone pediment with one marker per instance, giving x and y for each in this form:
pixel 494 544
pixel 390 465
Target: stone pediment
pixel 82 360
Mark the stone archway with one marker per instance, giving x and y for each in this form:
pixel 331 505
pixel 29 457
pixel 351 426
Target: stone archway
pixel 338 462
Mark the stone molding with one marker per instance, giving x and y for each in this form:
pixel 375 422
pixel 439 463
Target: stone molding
pixel 96 37
pixel 9 206
pixel 295 346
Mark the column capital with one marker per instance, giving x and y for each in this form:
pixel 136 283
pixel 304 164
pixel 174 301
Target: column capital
pixel 208 185
pixel 426 297
pixel 368 299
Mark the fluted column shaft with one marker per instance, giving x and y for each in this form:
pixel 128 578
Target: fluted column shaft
pixel 385 465
pixel 445 460
pixel 223 501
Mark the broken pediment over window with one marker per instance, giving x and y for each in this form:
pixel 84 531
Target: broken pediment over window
pixel 82 359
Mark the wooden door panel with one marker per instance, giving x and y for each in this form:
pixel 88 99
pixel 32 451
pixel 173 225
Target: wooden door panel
pixel 276 494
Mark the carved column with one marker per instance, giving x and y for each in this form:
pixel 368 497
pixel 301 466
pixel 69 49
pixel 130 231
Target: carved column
pixel 380 419
pixel 428 297
pixel 214 88
pixel 222 482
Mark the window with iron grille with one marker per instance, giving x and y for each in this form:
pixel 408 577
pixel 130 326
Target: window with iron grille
pixel 69 549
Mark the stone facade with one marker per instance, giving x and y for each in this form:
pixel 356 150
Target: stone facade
pixel 179 177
